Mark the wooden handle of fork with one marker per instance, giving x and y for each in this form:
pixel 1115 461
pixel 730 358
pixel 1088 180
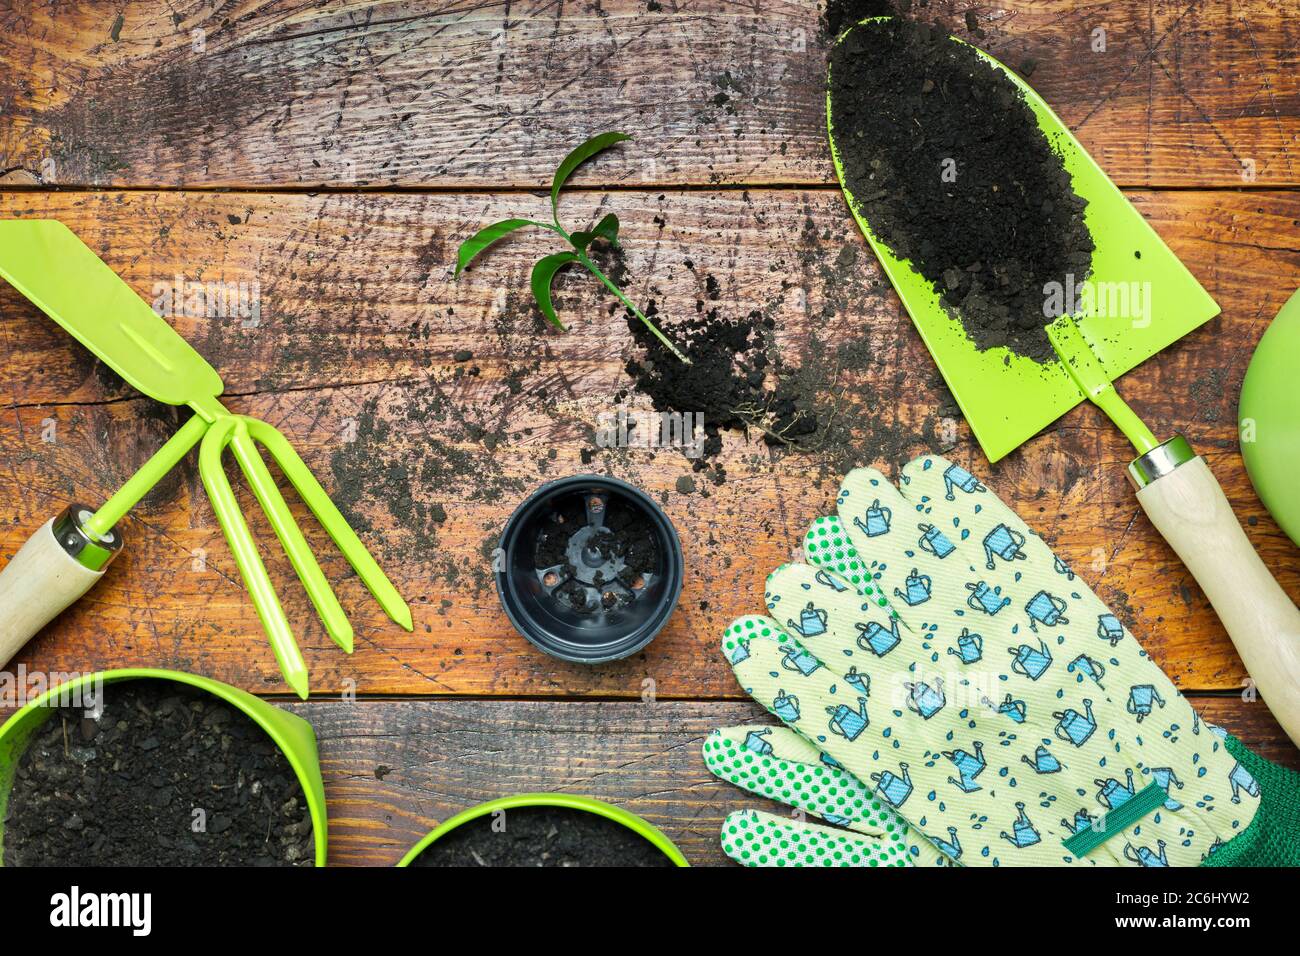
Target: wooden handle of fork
pixel 35 586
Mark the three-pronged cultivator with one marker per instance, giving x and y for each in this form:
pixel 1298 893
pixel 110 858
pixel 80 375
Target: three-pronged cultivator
pixel 45 261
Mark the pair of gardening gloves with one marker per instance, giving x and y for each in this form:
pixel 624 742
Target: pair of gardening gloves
pixel 951 693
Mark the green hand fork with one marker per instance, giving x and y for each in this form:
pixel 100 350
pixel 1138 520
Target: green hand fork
pixel 48 264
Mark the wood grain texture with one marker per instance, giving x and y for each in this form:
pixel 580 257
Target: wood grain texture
pixel 352 357
pixel 328 157
pixel 430 93
pixel 395 769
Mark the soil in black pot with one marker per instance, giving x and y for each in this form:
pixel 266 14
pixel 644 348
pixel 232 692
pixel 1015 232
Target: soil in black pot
pixel 131 787
pixel 626 541
pixel 542 836
pixel 908 105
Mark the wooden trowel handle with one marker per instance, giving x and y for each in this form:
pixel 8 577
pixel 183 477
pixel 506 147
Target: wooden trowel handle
pixel 56 566
pixel 1188 507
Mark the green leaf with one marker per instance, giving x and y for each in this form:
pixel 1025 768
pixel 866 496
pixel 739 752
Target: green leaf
pixel 543 273
pixel 590 148
pixel 476 243
pixel 607 228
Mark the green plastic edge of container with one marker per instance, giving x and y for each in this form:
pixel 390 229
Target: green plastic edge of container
pixel 636 824
pixel 1270 406
pixel 293 735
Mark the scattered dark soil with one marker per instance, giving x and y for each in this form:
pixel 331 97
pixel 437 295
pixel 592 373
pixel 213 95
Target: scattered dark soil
pixel 735 379
pixel 131 787
pixel 833 401
pixel 909 103
pixel 542 836
pixel 838 15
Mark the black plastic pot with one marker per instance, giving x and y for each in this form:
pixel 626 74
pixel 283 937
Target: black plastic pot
pixel 588 605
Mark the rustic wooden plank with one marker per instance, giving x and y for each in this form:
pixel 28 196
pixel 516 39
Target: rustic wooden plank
pixel 460 94
pixel 395 769
pixel 353 358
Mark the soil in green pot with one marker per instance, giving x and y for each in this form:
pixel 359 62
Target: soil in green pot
pixel 167 775
pixel 542 836
pixel 838 15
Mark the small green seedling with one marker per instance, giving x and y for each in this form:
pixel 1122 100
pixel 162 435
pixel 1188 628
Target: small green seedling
pixel 545 268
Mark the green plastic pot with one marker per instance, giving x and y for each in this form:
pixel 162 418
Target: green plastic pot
pixel 633 822
pixel 1269 415
pixel 293 735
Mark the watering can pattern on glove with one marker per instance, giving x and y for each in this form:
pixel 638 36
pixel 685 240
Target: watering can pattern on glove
pixel 1038 744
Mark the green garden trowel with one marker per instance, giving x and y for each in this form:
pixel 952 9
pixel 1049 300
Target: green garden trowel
pixel 48 264
pixel 1008 398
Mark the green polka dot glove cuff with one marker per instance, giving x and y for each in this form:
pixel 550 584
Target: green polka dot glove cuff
pixel 934 653
pixel 777 763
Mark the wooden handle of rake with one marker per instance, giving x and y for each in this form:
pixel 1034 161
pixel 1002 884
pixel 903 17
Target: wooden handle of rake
pixel 56 566
pixel 1188 507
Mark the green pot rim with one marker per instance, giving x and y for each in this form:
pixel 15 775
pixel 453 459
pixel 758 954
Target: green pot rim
pixel 636 824
pixel 308 773
pixel 1270 405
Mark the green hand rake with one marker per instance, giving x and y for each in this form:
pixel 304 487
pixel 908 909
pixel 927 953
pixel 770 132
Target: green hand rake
pixel 48 264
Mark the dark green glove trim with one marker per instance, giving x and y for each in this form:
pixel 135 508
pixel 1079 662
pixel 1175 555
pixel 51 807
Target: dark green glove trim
pixel 1273 837
pixel 1151 798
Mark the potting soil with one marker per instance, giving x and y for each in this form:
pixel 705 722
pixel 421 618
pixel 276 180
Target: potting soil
pixel 629 537
pixel 838 15
pixel 542 836
pixel 949 169
pixel 167 775
pixel 735 379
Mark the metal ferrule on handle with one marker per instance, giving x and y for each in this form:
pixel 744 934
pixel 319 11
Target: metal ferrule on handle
pixel 57 565
pixel 1160 461
pixel 95 552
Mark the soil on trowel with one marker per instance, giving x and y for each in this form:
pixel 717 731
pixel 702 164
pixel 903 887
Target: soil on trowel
pixel 542 836
pixel 629 537
pixel 950 170
pixel 166 775
pixel 838 15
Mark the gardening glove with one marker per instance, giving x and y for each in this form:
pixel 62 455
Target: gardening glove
pixel 1010 717
pixel 777 763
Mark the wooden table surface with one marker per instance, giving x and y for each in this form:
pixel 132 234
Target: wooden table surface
pixel 335 154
